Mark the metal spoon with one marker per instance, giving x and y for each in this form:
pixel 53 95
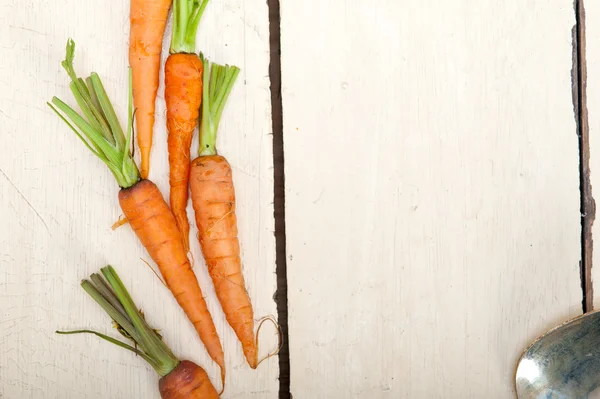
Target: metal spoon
pixel 564 363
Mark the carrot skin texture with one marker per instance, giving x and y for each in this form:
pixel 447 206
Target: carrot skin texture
pixel 148 19
pixel 151 219
pixel 213 199
pixel 183 97
pixel 187 381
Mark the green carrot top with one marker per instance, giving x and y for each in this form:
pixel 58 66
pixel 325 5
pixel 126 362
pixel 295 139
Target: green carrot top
pixel 113 297
pixel 98 127
pixel 217 84
pixel 186 18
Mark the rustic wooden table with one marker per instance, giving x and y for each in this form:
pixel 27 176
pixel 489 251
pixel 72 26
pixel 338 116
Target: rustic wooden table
pixel 433 165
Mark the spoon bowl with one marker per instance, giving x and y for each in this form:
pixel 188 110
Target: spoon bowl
pixel 564 363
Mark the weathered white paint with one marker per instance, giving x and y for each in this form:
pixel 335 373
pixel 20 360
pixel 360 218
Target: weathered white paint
pixel 59 203
pixel 592 11
pixel 432 192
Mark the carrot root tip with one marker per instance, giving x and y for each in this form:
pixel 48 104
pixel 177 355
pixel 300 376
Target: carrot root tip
pixel 222 368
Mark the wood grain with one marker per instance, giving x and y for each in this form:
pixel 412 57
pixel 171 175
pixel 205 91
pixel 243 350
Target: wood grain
pixel 432 203
pixel 59 204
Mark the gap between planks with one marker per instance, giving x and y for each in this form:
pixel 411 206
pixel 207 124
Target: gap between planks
pixel 588 205
pixel 281 296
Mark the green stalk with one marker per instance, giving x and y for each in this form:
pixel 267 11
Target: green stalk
pixel 121 319
pixel 83 97
pixel 107 108
pixel 130 321
pixel 97 125
pixel 218 82
pixel 150 340
pixel 186 18
pixel 108 294
pixel 109 339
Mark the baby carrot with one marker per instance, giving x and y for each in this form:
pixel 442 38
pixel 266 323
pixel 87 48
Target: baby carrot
pixel 183 96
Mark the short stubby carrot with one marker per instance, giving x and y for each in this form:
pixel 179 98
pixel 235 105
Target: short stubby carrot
pixel 141 201
pixel 183 95
pixel 148 19
pixel 187 381
pixel 213 199
pixel 180 379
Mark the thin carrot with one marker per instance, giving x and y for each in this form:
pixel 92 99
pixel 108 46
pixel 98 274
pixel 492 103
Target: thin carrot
pixel 148 19
pixel 183 96
pixel 213 199
pixel 141 201
pixel 179 379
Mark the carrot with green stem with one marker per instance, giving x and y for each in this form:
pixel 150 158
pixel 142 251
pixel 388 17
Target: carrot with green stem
pixel 213 200
pixel 148 19
pixel 183 96
pixel 178 379
pixel 140 199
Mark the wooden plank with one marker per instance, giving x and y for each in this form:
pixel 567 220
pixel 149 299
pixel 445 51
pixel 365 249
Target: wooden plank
pixel 432 193
pixel 592 58
pixel 59 204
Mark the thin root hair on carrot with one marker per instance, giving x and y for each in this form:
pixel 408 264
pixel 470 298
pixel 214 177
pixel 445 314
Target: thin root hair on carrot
pixel 279 337
pixel 218 221
pixel 154 271
pixel 132 126
pixel 192 260
pixel 122 221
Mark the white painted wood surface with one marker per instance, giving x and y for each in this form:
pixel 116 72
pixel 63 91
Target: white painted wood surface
pixel 59 203
pixel 592 11
pixel 432 192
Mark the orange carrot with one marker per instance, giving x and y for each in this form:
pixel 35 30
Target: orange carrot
pixel 148 19
pixel 187 381
pixel 152 221
pixel 183 88
pixel 179 379
pixel 183 97
pixel 213 199
pixel 140 199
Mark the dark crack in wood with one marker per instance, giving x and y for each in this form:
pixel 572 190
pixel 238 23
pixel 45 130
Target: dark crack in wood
pixel 281 297
pixel 587 203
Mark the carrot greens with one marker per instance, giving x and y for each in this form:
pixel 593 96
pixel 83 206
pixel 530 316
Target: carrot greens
pixel 186 18
pixel 217 84
pixel 113 297
pixel 99 127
